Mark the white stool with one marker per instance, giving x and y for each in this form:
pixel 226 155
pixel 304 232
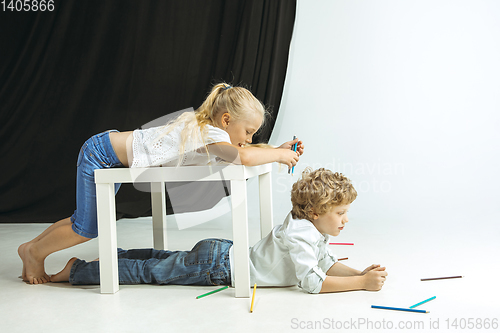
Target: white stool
pixel 236 174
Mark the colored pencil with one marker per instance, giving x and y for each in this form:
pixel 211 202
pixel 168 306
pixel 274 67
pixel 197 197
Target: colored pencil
pixel 427 300
pixel 253 297
pixel 340 243
pixel 294 148
pixel 442 278
pixel 342 258
pixel 212 292
pixel 398 309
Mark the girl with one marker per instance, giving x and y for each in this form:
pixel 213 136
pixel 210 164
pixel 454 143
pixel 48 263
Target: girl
pixel 222 128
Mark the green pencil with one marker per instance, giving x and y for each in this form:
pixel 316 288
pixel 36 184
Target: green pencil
pixel 212 292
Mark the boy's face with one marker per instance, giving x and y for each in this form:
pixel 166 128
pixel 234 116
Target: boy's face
pixel 332 222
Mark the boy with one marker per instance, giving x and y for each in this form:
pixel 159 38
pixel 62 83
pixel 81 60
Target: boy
pixel 294 253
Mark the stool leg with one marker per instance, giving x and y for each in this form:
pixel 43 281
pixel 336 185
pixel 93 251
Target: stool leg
pixel 106 223
pixel 159 214
pixel 240 238
pixel 266 204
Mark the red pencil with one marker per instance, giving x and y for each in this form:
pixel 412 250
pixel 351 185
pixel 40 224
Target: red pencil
pixel 342 258
pixel 340 243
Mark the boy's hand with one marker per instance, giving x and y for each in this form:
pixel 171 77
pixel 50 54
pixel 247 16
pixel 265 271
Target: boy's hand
pixel 369 269
pixel 289 145
pixel 375 278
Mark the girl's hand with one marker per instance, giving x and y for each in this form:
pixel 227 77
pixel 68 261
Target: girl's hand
pixel 374 279
pixel 369 269
pixel 289 145
pixel 288 157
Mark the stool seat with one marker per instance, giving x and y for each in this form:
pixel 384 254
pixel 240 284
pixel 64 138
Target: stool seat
pixel 237 175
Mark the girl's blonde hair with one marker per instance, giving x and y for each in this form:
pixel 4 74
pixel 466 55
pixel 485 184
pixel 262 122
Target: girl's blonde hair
pixel 240 103
pixel 319 191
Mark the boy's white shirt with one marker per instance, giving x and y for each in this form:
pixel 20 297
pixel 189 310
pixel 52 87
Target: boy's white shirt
pixel 150 152
pixel 293 253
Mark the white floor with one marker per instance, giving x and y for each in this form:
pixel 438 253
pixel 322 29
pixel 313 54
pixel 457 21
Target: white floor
pixel 150 308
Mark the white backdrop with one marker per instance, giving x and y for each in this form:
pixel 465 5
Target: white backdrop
pixel 403 97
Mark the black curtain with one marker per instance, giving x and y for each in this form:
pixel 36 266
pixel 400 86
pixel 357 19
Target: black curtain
pixel 88 66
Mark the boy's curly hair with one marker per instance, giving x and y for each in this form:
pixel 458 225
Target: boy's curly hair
pixel 319 191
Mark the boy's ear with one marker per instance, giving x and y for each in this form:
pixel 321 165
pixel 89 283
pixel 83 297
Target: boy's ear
pixel 313 215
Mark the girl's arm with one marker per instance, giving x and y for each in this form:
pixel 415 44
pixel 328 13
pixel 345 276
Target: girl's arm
pixel 251 156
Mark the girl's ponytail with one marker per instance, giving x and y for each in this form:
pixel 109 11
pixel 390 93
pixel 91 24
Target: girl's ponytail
pixel 206 113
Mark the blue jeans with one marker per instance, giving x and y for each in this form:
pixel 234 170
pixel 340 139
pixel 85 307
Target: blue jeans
pixel 207 264
pixel 96 153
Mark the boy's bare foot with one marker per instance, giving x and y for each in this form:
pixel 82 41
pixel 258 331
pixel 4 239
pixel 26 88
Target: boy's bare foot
pixel 34 268
pixel 63 276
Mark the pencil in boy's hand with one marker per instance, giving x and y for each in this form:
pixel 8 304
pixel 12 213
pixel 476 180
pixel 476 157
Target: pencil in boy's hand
pixel 253 297
pixel 212 292
pixel 294 148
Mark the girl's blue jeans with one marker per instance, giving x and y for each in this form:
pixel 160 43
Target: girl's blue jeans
pixel 96 153
pixel 206 264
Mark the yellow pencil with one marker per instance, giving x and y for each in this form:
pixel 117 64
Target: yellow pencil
pixel 253 296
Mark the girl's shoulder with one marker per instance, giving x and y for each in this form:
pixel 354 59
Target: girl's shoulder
pixel 214 134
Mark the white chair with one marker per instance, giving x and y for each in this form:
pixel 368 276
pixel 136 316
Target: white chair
pixel 236 174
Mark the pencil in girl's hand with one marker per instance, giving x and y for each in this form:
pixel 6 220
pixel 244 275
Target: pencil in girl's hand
pixel 442 278
pixel 212 292
pixel 340 243
pixel 294 148
pixel 342 259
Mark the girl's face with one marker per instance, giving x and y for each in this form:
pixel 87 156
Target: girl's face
pixel 241 131
pixel 333 222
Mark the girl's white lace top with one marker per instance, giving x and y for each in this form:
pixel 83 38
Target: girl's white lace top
pixel 149 152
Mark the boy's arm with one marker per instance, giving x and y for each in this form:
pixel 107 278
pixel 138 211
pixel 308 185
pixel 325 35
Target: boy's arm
pixel 342 283
pixel 339 269
pixel 372 280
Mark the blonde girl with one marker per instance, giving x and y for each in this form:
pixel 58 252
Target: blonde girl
pixel 221 129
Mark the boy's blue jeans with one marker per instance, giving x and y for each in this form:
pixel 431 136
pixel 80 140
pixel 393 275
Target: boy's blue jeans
pixel 206 264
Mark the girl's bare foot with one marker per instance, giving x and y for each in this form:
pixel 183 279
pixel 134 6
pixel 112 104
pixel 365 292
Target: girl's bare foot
pixel 34 267
pixel 63 276
pixel 20 251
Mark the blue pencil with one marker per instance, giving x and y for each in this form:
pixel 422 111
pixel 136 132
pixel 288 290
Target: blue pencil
pixel 398 309
pixel 427 300
pixel 294 149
